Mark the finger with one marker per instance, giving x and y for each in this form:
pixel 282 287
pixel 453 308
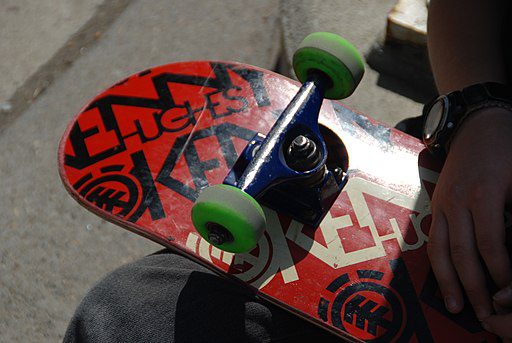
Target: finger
pixel 490 238
pixel 466 260
pixel 500 309
pixel 439 254
pixel 499 325
pixel 503 298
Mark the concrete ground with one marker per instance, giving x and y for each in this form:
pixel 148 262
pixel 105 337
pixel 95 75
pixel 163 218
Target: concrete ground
pixel 57 54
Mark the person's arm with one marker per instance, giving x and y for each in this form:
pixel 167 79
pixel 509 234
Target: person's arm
pixel 465 47
pixel 465 43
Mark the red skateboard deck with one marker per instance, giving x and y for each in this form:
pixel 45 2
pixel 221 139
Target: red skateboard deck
pixel 139 153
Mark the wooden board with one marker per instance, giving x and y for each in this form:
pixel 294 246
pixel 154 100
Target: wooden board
pixel 139 153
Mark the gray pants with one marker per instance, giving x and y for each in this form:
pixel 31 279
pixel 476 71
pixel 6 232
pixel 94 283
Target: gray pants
pixel 167 298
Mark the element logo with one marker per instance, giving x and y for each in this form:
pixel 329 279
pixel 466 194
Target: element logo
pixel 113 192
pixel 364 307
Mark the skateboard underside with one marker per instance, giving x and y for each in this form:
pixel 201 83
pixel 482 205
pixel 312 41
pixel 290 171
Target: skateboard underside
pixel 140 152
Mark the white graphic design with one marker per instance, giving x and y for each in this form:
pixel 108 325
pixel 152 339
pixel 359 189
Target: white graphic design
pixel 280 257
pixel 274 254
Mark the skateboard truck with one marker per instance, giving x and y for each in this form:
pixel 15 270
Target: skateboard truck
pixel 289 170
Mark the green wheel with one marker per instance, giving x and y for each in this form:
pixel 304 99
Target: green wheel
pixel 335 57
pixel 228 218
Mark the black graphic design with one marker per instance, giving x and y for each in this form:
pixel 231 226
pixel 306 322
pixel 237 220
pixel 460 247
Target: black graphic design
pixel 378 312
pixel 128 197
pixel 130 193
pixel 167 114
pixel 185 146
pixel 112 192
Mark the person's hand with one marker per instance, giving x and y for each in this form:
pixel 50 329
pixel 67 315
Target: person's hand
pixel 500 323
pixel 467 234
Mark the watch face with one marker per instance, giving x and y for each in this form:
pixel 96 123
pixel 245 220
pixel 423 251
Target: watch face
pixel 435 118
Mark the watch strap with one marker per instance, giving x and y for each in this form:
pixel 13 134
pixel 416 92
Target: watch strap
pixel 471 109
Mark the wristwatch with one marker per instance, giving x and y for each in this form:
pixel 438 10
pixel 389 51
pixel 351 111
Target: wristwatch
pixel 444 115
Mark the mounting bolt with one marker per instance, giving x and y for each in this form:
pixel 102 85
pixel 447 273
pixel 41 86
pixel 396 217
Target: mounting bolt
pixel 215 238
pixel 310 214
pixel 218 234
pixel 339 174
pixel 302 154
pixel 301 145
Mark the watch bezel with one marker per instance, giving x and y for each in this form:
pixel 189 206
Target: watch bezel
pixel 429 141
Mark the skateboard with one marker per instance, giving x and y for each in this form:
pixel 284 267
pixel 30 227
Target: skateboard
pixel 143 154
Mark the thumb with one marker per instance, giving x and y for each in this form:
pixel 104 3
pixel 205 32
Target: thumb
pixel 499 325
